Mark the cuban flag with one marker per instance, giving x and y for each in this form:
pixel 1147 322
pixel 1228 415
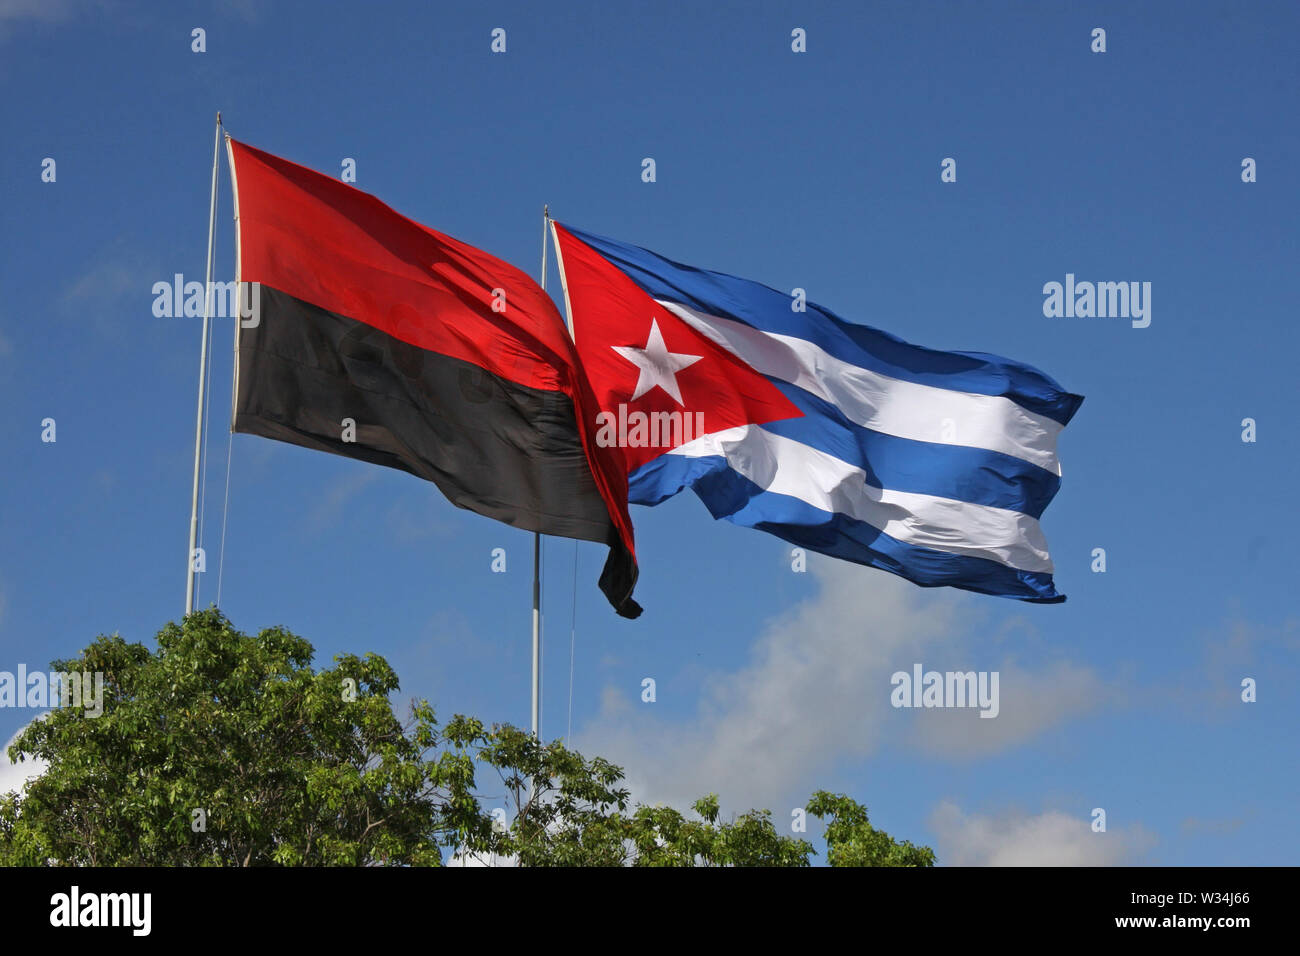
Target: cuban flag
pixel 836 437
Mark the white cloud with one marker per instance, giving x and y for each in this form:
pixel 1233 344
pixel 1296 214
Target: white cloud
pixel 107 281
pixel 341 492
pixel 115 281
pixel 1246 650
pixel 810 693
pixel 1051 838
pixel 815 690
pixel 414 517
pixel 14 775
pixel 45 11
pixel 1029 703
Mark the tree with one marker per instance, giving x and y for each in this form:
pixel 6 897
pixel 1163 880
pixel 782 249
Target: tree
pixel 851 840
pixel 226 749
pixel 569 811
pixel 221 748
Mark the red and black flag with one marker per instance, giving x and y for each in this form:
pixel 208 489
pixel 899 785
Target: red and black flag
pixel 451 364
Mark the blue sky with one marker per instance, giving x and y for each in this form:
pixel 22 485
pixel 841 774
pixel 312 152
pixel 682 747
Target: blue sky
pixel 819 170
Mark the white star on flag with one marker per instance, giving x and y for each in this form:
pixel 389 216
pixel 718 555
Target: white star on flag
pixel 658 365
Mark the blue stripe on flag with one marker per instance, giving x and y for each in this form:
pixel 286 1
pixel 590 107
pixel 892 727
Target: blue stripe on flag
pixel 730 495
pixel 976 475
pixel 764 308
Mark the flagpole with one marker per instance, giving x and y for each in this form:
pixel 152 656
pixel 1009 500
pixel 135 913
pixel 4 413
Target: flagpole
pixel 537 556
pixel 203 371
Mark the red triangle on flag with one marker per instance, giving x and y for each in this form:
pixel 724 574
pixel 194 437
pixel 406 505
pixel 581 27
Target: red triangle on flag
pixel 658 381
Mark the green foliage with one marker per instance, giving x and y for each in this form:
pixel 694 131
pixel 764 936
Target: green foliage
pixel 569 811
pixel 852 841
pixel 285 768
pixel 292 766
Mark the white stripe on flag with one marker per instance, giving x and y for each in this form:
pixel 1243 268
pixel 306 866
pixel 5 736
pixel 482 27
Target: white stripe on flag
pixel 787 467
pixel 881 402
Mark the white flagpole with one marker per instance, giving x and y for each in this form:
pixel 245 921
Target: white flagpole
pixel 537 555
pixel 203 371
pixel 537 636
